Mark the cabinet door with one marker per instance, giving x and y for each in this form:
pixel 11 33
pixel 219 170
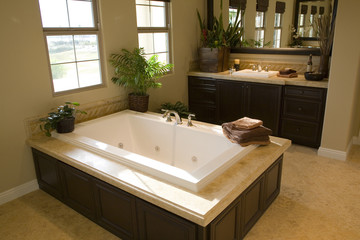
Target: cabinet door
pixel 252 204
pixel 230 101
pixel 272 182
pixel 116 210
pixel 78 190
pixel 263 101
pixel 47 173
pixel 157 224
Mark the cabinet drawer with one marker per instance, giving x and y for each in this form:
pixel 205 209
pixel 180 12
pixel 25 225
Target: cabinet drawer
pixel 204 113
pixel 302 109
pixel 305 92
pixel 204 95
pixel 204 82
pixel 305 133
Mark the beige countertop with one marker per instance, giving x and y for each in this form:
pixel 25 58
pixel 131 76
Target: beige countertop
pixel 298 81
pixel 200 208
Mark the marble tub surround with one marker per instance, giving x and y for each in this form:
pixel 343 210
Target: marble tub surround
pixel 298 81
pixel 200 208
pixel 94 110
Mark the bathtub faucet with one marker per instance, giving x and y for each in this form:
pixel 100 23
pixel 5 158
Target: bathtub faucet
pixel 168 113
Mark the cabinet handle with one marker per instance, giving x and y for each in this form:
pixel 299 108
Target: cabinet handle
pixel 298 129
pixel 300 109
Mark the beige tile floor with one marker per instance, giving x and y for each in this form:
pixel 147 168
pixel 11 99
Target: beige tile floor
pixel 319 199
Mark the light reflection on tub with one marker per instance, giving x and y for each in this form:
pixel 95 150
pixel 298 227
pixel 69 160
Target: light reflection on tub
pixel 189 157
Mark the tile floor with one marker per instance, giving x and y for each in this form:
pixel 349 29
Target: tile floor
pixel 319 199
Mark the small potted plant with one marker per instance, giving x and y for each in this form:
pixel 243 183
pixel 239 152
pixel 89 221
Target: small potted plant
pixel 134 71
pixel 63 120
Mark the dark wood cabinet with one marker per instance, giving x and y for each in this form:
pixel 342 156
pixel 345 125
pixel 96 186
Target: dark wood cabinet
pixel 234 100
pixel 78 190
pixel 303 114
pixel 130 217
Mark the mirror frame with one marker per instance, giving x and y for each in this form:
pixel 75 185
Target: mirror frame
pixel 281 51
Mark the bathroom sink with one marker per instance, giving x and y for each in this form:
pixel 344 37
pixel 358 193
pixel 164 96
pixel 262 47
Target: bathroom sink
pixel 251 73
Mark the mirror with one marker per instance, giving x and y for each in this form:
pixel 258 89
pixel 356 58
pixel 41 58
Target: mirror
pixel 271 27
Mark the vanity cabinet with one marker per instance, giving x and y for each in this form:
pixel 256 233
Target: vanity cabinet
pixel 303 114
pixel 218 101
pixel 130 217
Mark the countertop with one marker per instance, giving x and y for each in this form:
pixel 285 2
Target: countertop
pixel 298 81
pixel 201 207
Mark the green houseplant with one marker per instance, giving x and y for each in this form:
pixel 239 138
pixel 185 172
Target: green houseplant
pixel 216 41
pixel 179 107
pixel 134 71
pixel 63 120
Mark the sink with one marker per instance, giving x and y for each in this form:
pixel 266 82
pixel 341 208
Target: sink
pixel 251 73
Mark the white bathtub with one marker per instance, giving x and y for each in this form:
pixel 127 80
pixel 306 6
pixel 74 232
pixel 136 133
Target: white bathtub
pixel 189 157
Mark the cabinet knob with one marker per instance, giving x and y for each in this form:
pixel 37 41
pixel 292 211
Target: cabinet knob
pixel 298 129
pixel 300 109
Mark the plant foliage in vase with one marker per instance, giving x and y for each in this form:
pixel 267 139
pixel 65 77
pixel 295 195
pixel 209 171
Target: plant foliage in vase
pixel 134 71
pixel 64 112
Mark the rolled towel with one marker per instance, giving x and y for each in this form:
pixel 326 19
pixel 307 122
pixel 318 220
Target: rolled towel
pixel 287 71
pixel 247 123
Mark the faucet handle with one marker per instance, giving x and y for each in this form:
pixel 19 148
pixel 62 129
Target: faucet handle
pixel 189 123
pixel 166 115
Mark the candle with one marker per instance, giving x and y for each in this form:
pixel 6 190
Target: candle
pixel 237 61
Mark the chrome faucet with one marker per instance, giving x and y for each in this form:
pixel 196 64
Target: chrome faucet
pixel 189 123
pixel 167 115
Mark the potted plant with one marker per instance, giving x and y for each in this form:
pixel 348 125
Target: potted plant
pixel 134 71
pixel 63 120
pixel 216 42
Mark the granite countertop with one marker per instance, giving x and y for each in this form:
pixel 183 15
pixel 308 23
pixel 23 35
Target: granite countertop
pixel 298 81
pixel 201 207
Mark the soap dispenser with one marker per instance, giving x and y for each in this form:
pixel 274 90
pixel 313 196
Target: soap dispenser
pixel 309 64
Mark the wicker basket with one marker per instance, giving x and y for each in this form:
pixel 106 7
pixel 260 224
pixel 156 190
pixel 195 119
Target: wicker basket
pixel 138 103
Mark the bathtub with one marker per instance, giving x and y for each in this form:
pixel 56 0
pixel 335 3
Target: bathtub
pixel 190 157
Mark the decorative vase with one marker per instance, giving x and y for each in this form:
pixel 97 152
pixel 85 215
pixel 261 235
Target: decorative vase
pixel 214 59
pixel 66 125
pixel 138 103
pixel 324 65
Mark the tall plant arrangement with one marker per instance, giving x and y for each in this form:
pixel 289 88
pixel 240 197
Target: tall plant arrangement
pixel 134 71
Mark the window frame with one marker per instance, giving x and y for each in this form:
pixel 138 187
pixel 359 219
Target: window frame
pixel 278 28
pixel 261 28
pixel 71 31
pixel 166 29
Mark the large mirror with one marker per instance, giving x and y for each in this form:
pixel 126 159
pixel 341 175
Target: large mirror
pixel 276 26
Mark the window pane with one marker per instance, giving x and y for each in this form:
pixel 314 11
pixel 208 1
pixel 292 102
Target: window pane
pixel 64 77
pixel 157 3
pixel 277 20
pixel 163 57
pixel 86 47
pixel 143 16
pixel 89 73
pixel 158 18
pixel 146 2
pixel 54 13
pixel 61 49
pixel 146 42
pixel 259 19
pixel 161 42
pixel 81 13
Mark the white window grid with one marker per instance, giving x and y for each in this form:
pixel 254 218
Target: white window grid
pixel 260 28
pixel 277 30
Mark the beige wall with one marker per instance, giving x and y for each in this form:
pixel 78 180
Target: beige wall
pixel 25 84
pixel 342 107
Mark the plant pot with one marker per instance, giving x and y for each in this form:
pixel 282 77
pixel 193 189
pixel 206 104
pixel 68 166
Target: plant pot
pixel 138 103
pixel 214 59
pixel 66 125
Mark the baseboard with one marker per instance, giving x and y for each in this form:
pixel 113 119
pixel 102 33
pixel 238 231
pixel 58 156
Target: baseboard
pixel 356 140
pixel 18 191
pixel 335 154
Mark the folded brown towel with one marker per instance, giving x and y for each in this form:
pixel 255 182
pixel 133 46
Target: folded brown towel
pixel 287 71
pixel 255 142
pixel 291 75
pixel 247 123
pixel 241 136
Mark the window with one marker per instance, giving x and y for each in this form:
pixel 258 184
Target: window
pixel 72 38
pixel 301 27
pixel 277 30
pixel 311 26
pixel 233 13
pixel 259 29
pixel 153 22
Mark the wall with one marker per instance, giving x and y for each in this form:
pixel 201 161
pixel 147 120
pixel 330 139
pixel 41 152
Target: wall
pixel 25 84
pixel 342 108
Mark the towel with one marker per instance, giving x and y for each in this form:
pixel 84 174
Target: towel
pixel 245 137
pixel 287 71
pixel 247 123
pixel 291 75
